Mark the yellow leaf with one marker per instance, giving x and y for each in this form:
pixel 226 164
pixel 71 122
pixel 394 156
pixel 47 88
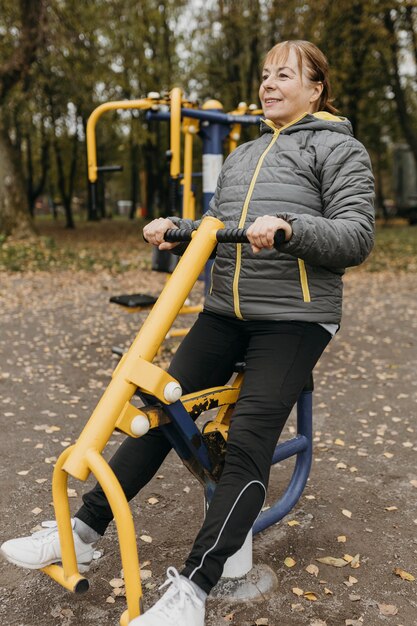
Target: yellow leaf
pixel 309 595
pixel 293 522
pixel 341 539
pixel 339 442
pixel 297 591
pixel 289 562
pixel 328 592
pixel 403 574
pixel 331 560
pixel 312 569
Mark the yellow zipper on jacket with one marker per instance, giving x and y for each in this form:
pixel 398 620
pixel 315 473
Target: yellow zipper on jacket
pixel 244 213
pixel 304 281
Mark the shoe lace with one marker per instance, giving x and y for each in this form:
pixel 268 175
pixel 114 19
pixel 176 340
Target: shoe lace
pixel 179 592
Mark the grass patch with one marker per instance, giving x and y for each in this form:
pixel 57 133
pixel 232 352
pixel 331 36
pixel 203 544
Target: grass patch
pixel 109 245
pixel 395 249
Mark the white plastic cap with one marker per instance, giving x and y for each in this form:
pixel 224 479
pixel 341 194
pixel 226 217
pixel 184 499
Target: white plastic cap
pixel 139 425
pixel 172 392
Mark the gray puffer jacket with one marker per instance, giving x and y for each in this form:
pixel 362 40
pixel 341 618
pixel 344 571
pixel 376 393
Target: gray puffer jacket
pixel 317 176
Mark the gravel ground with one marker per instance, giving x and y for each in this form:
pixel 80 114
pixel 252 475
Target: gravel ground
pixel 56 333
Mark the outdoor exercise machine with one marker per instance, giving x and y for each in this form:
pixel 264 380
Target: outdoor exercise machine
pixel 166 408
pixel 214 126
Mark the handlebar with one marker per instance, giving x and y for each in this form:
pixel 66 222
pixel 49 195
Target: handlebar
pixel 223 235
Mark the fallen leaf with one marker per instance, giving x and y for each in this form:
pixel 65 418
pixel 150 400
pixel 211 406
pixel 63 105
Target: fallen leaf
pixel 391 508
pixel 347 513
pixel 333 561
pixel 146 538
pixel 413 482
pixel 23 472
pixel 36 511
pixel 153 500
pixel 387 609
pixel 289 562
pixel 354 597
pixel 341 539
pixel 293 522
pixel 403 574
pixel 110 600
pixel 309 595
pixel 262 621
pixel 229 617
pixel 116 582
pixel 297 591
pixel 339 442
pixel 328 592
pixel 355 562
pixel 312 569
pixel 145 574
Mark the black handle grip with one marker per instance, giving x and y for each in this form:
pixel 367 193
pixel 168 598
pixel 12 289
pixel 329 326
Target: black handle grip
pixel 224 235
pixel 174 235
pixel 110 168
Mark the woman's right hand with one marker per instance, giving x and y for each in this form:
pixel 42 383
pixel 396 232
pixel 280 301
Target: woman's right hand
pixel 154 233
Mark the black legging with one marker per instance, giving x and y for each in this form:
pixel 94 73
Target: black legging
pixel 280 357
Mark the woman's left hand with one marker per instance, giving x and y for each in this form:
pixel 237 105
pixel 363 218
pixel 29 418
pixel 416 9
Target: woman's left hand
pixel 261 232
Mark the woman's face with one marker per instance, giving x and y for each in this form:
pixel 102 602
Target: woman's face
pixel 285 94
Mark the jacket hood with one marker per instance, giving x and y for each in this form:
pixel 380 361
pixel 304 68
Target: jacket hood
pixel 322 120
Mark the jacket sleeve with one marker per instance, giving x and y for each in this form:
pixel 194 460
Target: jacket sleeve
pixel 344 235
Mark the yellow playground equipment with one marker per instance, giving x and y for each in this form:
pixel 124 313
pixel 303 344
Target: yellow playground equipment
pixel 202 453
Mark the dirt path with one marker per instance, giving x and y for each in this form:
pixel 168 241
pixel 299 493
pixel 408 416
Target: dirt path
pixel 56 332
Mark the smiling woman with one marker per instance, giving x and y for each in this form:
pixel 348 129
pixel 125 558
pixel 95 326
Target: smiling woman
pixel 277 310
pixel 286 92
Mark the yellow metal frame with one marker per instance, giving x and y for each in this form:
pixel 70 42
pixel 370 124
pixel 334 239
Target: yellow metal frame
pixel 114 411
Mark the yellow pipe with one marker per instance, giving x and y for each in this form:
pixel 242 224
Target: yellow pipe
pixel 175 132
pixel 188 163
pixel 67 575
pixel 144 103
pixel 125 529
pixel 101 424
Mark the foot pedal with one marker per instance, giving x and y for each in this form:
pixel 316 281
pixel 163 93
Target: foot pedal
pixel 134 300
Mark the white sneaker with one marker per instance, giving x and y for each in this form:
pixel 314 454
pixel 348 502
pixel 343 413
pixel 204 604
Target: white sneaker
pixel 179 606
pixel 43 548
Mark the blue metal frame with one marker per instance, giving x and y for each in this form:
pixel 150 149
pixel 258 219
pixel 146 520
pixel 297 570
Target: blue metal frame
pixel 190 446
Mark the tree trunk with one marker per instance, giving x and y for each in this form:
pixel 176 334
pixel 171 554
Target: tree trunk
pixel 14 211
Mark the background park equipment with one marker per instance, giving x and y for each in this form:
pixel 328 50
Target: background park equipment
pixel 202 454
pixel 213 126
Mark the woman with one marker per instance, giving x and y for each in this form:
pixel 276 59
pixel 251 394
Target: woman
pixel 307 175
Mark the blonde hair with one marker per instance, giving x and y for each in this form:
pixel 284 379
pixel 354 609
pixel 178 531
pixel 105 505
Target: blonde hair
pixel 315 63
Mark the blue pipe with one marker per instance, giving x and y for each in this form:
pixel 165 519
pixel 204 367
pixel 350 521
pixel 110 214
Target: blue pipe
pixel 302 446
